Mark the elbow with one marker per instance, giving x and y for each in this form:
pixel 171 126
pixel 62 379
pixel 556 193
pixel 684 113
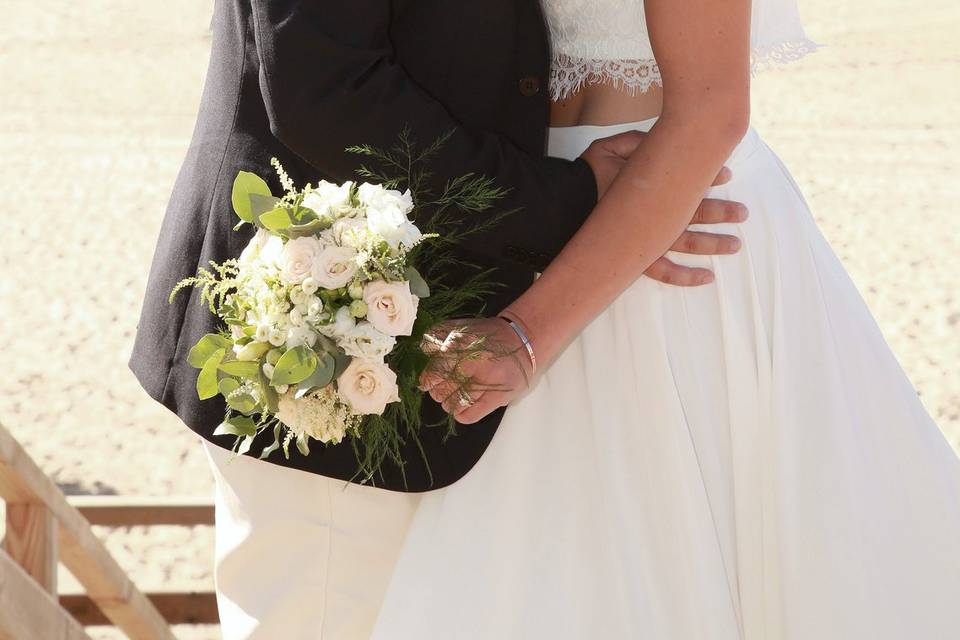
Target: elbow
pixel 716 118
pixel 725 119
pixel 734 118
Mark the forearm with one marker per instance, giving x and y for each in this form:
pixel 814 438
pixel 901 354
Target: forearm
pixel 648 206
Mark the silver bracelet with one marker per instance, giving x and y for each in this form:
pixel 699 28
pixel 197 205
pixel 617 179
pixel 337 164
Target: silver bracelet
pixel 525 340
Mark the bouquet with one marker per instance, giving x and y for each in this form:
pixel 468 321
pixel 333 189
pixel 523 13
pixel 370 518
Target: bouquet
pixel 325 309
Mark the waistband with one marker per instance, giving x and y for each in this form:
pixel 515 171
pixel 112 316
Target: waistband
pixel 570 142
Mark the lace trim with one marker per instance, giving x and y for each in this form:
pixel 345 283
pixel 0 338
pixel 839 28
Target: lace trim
pixel 569 74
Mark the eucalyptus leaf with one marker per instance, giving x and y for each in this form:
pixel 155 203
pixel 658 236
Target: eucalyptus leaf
pixel 207 382
pixel 242 402
pixel 276 219
pixel 270 397
pixel 294 366
pixel 302 445
pixel 418 286
pixel 206 347
pixel 241 368
pixel 236 426
pixel 253 351
pixel 244 185
pixel 245 445
pixel 342 362
pixel 323 374
pixel 273 447
pixel 261 204
pixel 308 229
pixel 228 386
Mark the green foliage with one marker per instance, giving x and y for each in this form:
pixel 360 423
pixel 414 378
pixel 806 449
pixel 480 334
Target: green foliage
pixel 206 347
pixel 245 185
pixel 207 381
pixel 294 366
pixel 241 368
pixel 464 210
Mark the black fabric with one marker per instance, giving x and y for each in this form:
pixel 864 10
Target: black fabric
pixel 301 81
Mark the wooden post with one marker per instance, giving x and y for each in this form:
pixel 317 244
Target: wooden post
pixel 31 541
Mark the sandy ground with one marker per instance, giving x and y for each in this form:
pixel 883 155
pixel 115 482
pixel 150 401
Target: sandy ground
pixel 97 103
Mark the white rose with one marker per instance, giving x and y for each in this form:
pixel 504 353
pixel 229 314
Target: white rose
pixel 328 198
pixel 391 308
pixel 334 267
pixel 297 257
pixel 368 386
pixel 364 341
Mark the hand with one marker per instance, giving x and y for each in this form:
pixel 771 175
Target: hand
pixel 606 156
pixel 476 367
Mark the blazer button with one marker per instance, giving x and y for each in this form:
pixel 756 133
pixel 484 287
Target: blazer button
pixel 530 86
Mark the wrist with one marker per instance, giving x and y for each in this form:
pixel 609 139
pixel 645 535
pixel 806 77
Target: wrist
pixel 519 328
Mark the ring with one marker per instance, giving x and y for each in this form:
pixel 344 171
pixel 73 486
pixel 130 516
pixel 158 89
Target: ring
pixel 464 400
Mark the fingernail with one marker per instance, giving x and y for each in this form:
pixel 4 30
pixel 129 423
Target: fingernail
pixel 735 244
pixel 706 278
pixel 742 213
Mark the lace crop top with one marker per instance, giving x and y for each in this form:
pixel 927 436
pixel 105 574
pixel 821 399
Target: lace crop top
pixel 606 40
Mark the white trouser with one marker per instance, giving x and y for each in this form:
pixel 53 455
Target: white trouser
pixel 299 555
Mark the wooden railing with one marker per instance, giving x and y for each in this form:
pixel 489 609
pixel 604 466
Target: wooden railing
pixel 43 527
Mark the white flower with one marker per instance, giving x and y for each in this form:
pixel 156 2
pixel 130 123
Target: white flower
pixel 391 308
pixel 309 286
pixel 271 250
pixel 297 294
pixel 368 386
pixel 364 341
pixel 296 317
pixel 343 321
pixel 334 267
pixel 277 337
pixel 297 257
pixel 348 232
pixel 329 199
pixel 251 252
pixel 298 336
pixel 387 215
pixel 317 414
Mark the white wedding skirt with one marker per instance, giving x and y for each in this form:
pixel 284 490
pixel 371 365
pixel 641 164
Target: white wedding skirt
pixel 743 460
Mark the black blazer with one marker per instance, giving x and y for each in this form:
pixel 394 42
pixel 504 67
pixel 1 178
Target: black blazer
pixel 302 80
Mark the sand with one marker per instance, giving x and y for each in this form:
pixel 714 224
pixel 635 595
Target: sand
pixel 97 103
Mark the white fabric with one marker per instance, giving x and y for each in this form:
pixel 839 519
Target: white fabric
pixel 740 461
pixel 607 40
pixel 300 556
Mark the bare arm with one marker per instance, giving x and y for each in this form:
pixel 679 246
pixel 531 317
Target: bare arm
pixel 702 48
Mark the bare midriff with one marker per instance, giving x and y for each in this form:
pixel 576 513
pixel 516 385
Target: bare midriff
pixel 604 104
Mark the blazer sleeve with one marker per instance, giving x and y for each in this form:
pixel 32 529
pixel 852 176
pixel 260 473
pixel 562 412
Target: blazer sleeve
pixel 329 80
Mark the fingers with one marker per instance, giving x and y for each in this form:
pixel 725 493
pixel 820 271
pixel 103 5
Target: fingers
pixel 474 409
pixel 706 244
pixel 482 407
pixel 712 211
pixel 668 272
pixel 723 177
